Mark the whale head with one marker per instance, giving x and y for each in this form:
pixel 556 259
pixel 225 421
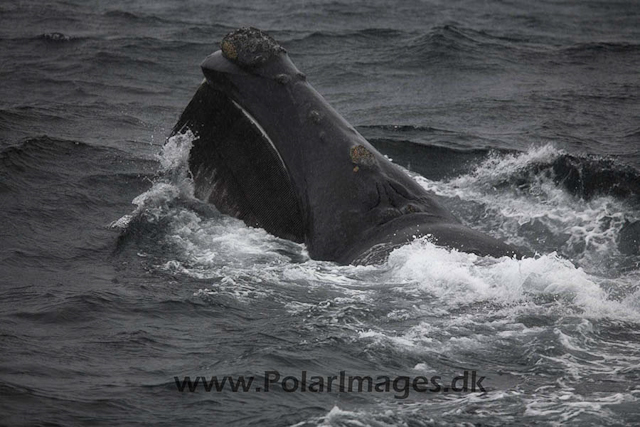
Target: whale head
pixel 271 151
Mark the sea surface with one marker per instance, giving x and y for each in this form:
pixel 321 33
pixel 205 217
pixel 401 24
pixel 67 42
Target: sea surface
pixel 522 117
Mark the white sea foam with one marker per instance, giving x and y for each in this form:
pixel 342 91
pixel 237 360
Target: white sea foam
pixel 223 248
pixel 175 182
pixel 542 214
pixel 461 279
pixel 427 300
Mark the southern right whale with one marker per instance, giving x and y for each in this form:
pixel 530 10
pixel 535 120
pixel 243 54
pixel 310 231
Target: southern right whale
pixel 271 151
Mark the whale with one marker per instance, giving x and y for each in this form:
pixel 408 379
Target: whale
pixel 268 149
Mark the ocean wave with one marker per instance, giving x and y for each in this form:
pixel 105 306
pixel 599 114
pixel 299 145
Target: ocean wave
pixel 55 37
pixel 366 33
pixel 547 201
pixel 456 43
pixel 203 244
pixel 429 310
pixel 592 48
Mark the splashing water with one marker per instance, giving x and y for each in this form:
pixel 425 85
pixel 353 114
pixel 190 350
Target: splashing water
pixel 506 195
pixel 221 247
pixel 544 324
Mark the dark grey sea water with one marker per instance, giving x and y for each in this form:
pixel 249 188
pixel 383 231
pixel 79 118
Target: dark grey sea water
pixel 523 117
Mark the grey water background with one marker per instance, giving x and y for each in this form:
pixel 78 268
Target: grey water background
pixel 523 117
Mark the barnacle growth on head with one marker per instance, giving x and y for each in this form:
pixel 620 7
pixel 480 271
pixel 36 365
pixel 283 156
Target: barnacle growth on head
pixel 361 156
pixel 249 47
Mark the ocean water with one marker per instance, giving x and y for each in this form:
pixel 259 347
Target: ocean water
pixel 523 118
